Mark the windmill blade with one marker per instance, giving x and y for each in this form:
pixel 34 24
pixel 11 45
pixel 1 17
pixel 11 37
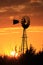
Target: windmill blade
pixel 15 21
pixel 25 21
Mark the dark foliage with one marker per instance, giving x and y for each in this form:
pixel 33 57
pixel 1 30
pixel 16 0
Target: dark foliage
pixel 29 58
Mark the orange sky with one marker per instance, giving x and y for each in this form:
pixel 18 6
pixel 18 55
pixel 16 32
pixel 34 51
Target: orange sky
pixel 11 35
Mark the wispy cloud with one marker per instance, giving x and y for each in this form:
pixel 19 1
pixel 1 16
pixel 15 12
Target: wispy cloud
pixel 3 10
pixel 27 7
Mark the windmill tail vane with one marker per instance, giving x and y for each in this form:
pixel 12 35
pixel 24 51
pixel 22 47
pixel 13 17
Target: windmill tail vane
pixel 15 21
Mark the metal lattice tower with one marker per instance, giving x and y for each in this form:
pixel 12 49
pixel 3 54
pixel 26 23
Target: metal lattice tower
pixel 24 41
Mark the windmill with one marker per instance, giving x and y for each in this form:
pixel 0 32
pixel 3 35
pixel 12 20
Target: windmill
pixel 25 22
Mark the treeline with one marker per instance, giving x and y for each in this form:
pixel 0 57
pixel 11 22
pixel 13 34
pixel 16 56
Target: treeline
pixel 29 58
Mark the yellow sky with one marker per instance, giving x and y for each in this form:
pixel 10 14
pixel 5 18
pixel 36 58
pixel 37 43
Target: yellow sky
pixel 10 37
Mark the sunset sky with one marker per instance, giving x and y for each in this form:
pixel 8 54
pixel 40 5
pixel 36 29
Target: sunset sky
pixel 11 35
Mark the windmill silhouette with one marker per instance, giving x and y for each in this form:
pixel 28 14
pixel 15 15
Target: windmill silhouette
pixel 25 22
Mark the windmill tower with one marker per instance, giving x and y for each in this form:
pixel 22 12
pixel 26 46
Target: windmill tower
pixel 25 22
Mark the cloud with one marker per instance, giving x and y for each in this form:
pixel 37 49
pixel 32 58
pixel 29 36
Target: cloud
pixel 12 6
pixel 21 7
pixel 33 8
pixel 12 2
pixel 3 10
pixel 11 10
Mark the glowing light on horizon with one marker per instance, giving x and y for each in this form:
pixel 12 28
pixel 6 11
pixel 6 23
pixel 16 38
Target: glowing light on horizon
pixel 14 54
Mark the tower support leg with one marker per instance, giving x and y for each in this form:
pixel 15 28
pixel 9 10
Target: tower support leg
pixel 24 41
